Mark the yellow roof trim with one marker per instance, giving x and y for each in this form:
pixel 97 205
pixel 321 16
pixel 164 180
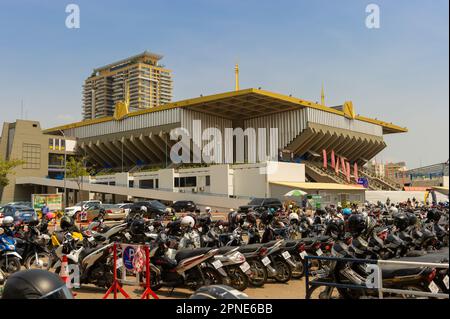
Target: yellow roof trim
pixel 390 128
pixel 319 186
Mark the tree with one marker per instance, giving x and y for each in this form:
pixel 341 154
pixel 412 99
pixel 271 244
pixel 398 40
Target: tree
pixel 6 168
pixel 76 169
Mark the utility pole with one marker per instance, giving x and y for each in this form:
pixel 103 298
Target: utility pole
pixel 65 168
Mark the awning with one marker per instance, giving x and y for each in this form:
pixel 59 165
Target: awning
pixel 442 190
pixel 321 186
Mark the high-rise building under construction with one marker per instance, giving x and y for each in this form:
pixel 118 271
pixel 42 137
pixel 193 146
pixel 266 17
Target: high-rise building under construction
pixel 149 84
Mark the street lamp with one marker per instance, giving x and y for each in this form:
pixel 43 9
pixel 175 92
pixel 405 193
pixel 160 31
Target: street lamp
pixel 65 167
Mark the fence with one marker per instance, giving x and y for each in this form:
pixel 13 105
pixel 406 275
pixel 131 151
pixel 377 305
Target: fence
pixel 375 280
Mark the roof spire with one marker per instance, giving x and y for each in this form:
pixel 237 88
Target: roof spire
pixel 322 96
pixel 236 71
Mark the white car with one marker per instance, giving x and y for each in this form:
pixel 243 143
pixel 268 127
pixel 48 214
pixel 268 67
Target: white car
pixel 79 207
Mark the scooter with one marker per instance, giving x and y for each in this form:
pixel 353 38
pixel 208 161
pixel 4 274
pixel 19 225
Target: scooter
pixel 10 260
pixel 235 265
pixel 189 268
pixel 95 266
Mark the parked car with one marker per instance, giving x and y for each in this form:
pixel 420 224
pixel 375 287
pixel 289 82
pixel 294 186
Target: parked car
pixel 26 204
pixel 75 210
pixel 126 207
pixel 259 205
pixel 184 206
pixel 154 209
pixel 112 212
pixel 19 213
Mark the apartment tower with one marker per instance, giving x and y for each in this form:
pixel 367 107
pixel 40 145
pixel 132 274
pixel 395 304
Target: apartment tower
pixel 149 84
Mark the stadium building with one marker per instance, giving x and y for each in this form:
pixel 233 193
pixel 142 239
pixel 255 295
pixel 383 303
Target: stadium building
pixel 130 151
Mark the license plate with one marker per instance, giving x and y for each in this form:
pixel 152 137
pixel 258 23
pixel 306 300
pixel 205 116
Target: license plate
pixel 433 287
pixel 286 255
pixel 119 263
pixel 303 254
pixel 26 215
pixel 91 239
pixel 446 282
pixel 128 236
pixel 319 252
pixel 266 261
pixel 217 264
pixel 245 267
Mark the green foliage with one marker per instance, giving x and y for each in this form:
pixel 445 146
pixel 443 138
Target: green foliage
pixel 76 169
pixel 6 168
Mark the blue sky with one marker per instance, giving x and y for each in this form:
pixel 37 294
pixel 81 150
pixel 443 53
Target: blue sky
pixel 398 73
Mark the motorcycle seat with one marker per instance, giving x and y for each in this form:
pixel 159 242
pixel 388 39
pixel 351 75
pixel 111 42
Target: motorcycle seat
pixel 393 271
pixel 249 248
pixel 188 253
pixel 225 249
pixel 291 243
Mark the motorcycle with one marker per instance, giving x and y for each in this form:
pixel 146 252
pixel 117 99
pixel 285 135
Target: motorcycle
pixel 95 265
pixel 189 268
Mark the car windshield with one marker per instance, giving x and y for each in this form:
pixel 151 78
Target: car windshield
pixel 110 206
pixel 157 204
pixel 23 208
pixel 257 201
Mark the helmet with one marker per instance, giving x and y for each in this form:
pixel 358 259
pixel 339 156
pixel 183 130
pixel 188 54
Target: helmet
pixel 218 292
pixel 8 221
pixel 50 215
pixel 412 219
pixel 433 215
pixel 188 221
pixel 251 218
pixel 356 224
pixel 290 206
pixel 237 219
pixel 293 217
pixel 266 217
pixel 393 209
pixel 401 221
pixel 335 228
pixel 143 209
pixel 347 212
pixel 66 222
pixel 208 210
pixel 35 284
pixel 137 227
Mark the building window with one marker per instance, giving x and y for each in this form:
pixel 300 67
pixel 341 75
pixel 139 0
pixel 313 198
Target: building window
pixel 51 144
pixel 147 184
pixel 208 181
pixel 31 155
pixel 156 183
pixel 186 181
pixel 131 184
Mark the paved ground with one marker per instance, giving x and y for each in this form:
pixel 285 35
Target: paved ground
pixel 295 289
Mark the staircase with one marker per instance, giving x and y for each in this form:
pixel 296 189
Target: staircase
pixel 381 183
pixel 323 175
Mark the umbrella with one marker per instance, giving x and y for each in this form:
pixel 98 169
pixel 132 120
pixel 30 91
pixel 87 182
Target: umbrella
pixel 296 193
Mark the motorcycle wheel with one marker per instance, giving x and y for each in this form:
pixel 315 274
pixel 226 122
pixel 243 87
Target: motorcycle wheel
pixel 259 273
pixel 299 271
pixel 43 261
pixel 239 279
pixel 323 292
pixel 212 276
pixel 284 272
pixel 12 266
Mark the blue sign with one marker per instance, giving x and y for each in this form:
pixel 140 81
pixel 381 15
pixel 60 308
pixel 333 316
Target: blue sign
pixel 128 257
pixel 364 182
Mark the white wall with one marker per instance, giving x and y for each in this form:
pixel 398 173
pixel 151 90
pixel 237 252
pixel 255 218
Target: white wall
pixel 399 196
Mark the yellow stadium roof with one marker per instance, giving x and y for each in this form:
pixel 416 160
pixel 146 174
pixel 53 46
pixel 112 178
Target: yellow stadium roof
pixel 320 186
pixel 244 104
